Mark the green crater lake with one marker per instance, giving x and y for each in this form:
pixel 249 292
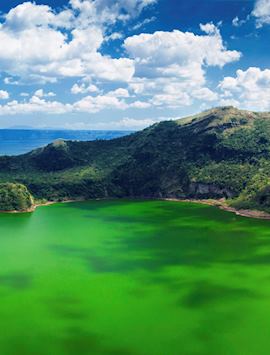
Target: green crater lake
pixel 134 278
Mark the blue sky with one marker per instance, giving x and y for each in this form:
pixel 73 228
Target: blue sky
pixel 125 64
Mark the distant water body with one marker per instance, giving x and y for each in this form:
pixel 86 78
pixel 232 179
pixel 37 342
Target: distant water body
pixel 20 141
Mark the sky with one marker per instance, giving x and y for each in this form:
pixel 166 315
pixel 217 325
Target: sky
pixel 126 64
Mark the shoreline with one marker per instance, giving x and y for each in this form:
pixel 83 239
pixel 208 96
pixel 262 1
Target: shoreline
pixel 221 204
pixel 35 206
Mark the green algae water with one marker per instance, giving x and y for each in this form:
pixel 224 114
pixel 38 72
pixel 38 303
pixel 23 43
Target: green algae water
pixel 134 278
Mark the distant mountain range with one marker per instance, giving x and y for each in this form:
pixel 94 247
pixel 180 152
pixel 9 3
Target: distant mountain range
pixel 223 152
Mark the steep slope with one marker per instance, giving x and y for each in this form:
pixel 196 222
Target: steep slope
pixel 223 152
pixel 210 155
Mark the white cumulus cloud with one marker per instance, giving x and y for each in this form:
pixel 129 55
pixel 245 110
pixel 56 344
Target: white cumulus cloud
pixel 41 93
pixel 249 88
pixel 159 70
pixel 84 89
pixel 262 12
pixel 171 66
pixel 37 49
pixel 4 95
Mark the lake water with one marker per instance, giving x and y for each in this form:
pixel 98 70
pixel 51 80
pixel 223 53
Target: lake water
pixel 134 278
pixel 19 141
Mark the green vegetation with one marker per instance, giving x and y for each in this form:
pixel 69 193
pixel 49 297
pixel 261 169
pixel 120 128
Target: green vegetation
pixel 15 197
pixel 222 152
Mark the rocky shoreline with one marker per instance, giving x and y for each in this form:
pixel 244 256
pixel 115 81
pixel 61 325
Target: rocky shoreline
pixel 223 206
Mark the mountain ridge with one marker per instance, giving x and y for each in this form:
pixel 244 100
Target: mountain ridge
pixel 220 153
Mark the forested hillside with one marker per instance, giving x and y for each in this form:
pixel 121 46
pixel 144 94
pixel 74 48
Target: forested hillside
pixel 223 152
pixel 15 197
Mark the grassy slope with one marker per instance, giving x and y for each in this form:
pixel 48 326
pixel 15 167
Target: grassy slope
pixel 221 152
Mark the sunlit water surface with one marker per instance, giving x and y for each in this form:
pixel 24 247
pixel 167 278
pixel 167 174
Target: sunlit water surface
pixel 134 278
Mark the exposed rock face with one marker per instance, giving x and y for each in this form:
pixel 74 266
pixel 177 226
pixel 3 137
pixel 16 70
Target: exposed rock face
pixel 200 190
pixel 15 197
